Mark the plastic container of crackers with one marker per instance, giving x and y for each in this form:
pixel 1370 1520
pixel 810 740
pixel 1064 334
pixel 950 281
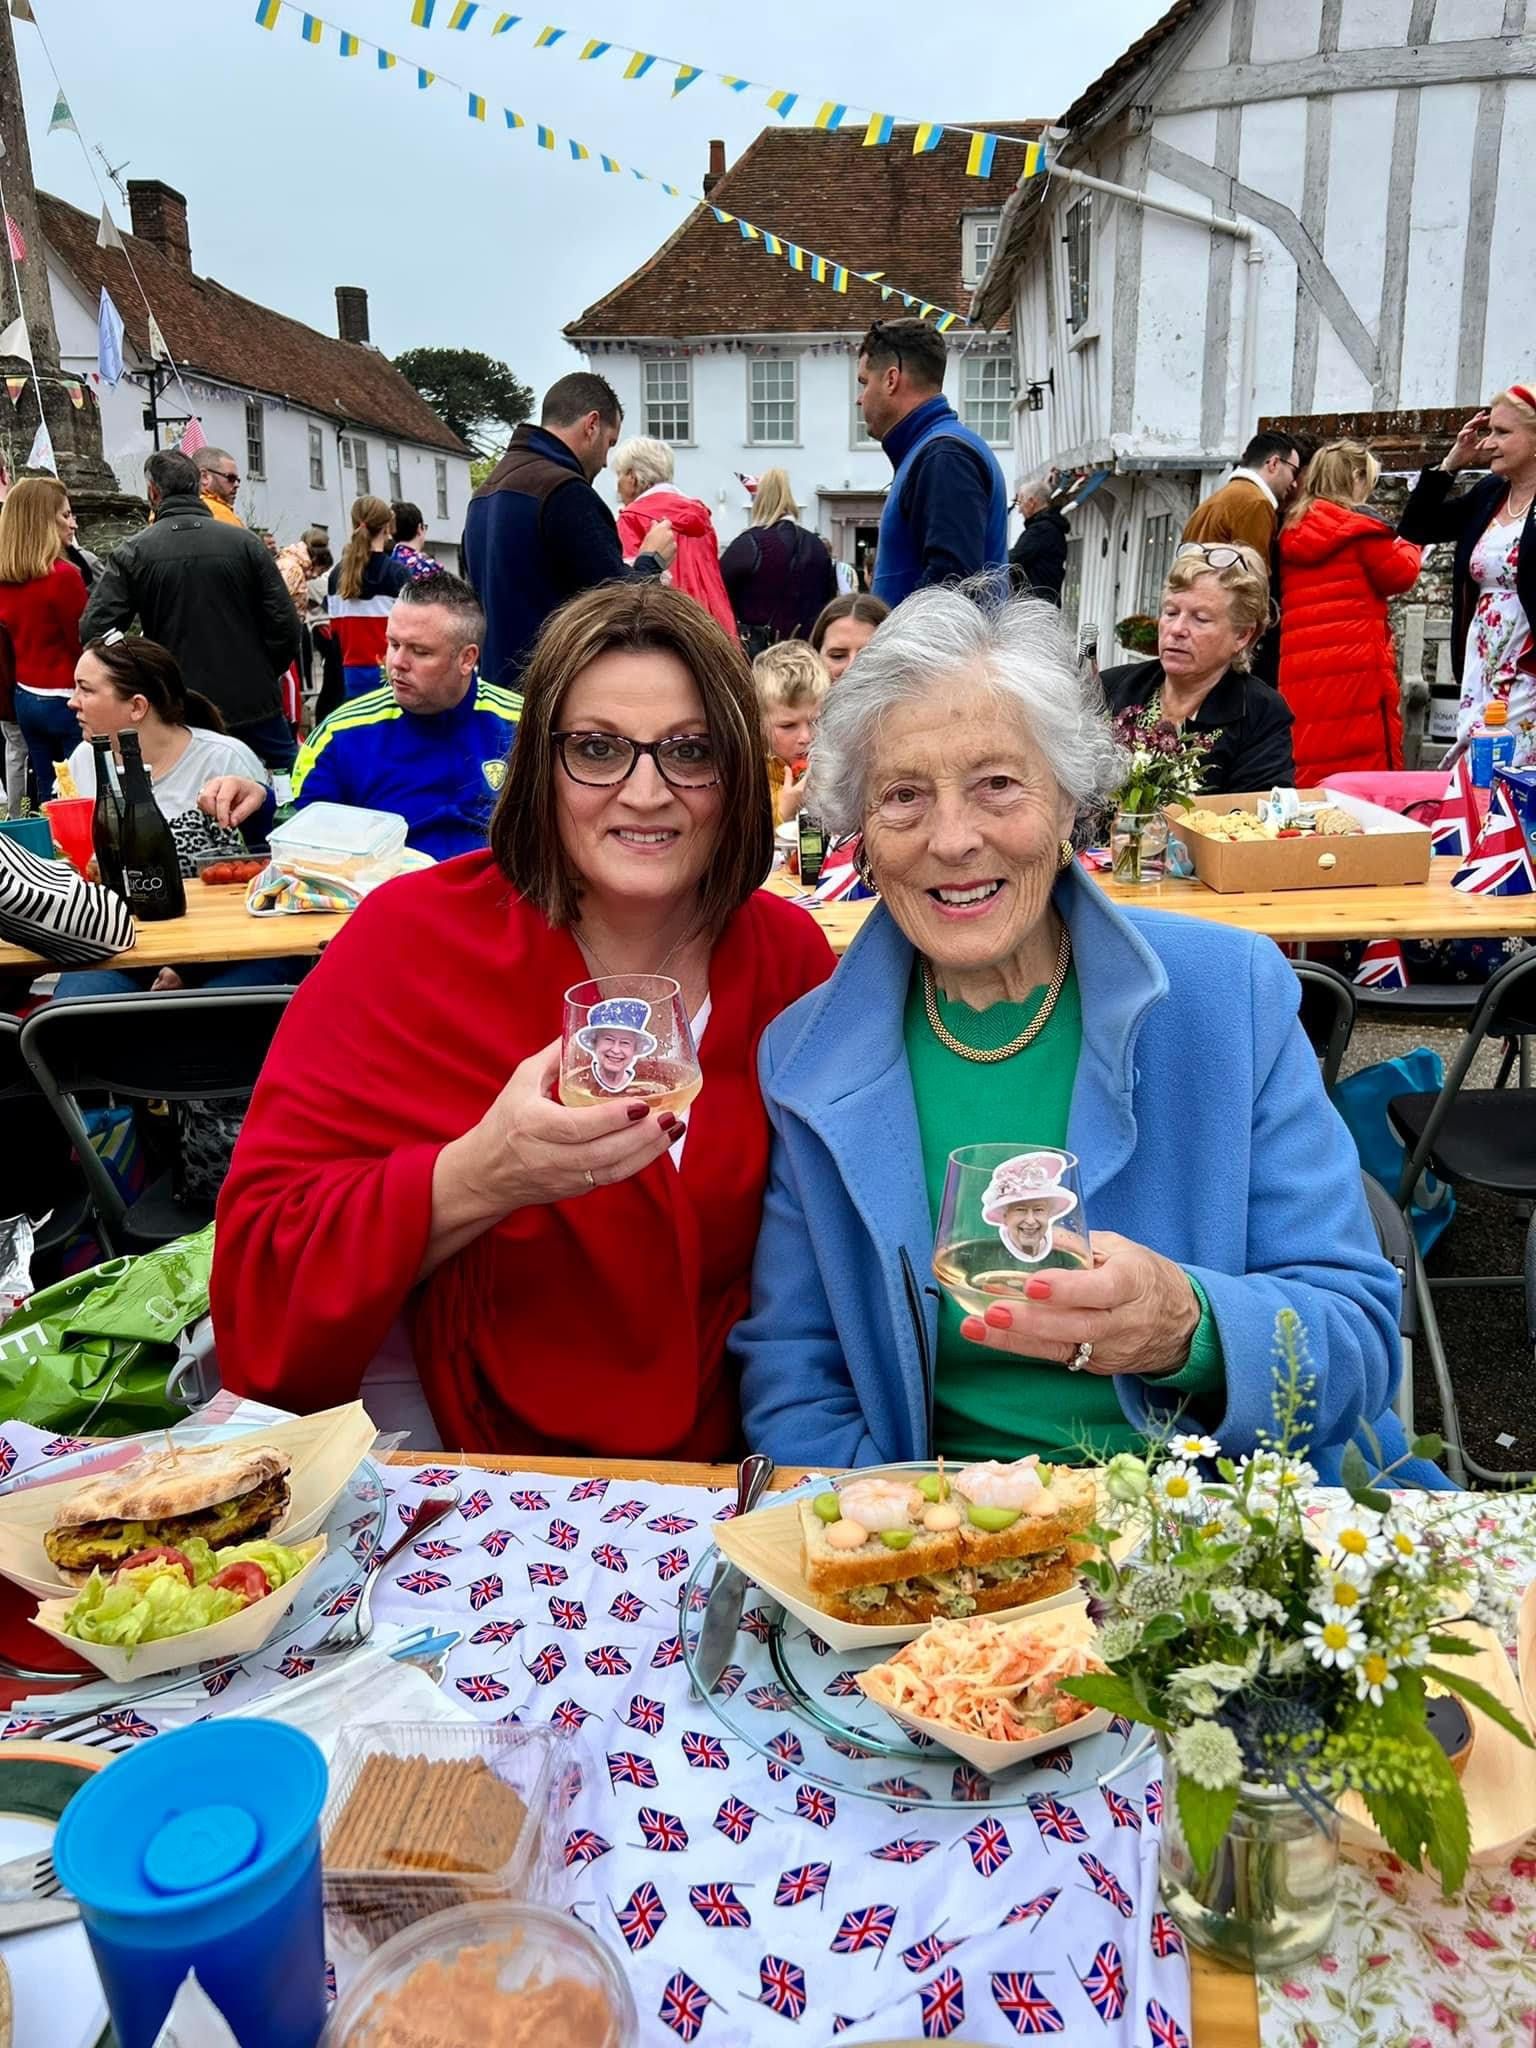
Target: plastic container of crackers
pixel 426 1816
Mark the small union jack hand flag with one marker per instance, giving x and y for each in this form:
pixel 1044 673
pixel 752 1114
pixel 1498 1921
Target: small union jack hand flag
pixel 1032 1909
pixel 770 1699
pixel 582 1847
pixel 588 1489
pixel 477 1505
pixel 805 1881
pixel 670 1563
pixel 435 1475
pixel 7 1457
pixel 718 1906
pixel 1023 2005
pixel 842 1747
pixel 663 1831
pixel 409 1510
pixel 295 1664
pixel 627 1607
pixel 683 2005
pixel 754 1623
pixel 567 1613
pixel 735 1819
pixel 905 1849
pixel 562 1535
pixel 845 1686
pixel 783 1986
pixel 610 1557
pixel 14 1731
pixel 498 1632
pixel 969 1784
pixel 483 1686
pixel 547 1665
pixel 422 1583
pixel 1164 2028
pixel 1058 1760
pixel 495 1541
pixel 642 1918
pixel 816 1806
pixel 989 1846
pixel 568 1716
pixel 668 1651
pixel 344 1601
pixel 626 1511
pixel 1166 1938
pixel 922 1955
pixel 1057 1821
pixel 607 1661
pixel 1105 1983
pixel 1155 1801
pixel 547 1575
pixel 783 1752
pixel 1382 966
pixel 726 1514
pixel 943 2005
pixel 484 1591
pixel 215 1682
pixel 1119 1724
pixel 63 1446
pixel 646 1715
pixel 900 1791
pixel 434 1550
pixel 866 1927
pixel 625 1768
pixel 1107 1885
pixel 728 1681
pixel 705 1753
pixel 1125 1813
pixel 125 1722
pixel 671 1525
pixel 698 1599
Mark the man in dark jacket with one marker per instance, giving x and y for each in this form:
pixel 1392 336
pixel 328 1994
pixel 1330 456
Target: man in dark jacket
pixel 212 594
pixel 537 533
pixel 1038 558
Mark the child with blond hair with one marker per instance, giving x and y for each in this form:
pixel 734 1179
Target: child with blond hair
pixel 792 682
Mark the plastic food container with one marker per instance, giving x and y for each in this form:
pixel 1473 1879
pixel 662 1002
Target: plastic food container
pixel 429 1815
pixel 466 1975
pixel 340 842
pixel 227 869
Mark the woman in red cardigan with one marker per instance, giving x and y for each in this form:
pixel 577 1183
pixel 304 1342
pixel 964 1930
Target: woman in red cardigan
pixel 568 1277
pixel 1339 566
pixel 42 595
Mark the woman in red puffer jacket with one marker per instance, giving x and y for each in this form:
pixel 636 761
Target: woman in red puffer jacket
pixel 642 470
pixel 1338 669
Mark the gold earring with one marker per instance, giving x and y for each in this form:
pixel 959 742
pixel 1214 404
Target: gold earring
pixel 1065 856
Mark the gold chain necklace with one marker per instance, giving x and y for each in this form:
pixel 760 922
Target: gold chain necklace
pixel 1031 1031
pixel 598 961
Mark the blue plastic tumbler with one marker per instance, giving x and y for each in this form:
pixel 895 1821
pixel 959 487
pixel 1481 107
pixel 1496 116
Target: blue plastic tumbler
pixel 201 1851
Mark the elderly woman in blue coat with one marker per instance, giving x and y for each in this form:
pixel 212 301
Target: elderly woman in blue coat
pixel 996 995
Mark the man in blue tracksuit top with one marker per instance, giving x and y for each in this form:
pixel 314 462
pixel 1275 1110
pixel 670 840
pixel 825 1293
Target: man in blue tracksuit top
pixel 431 744
pixel 946 516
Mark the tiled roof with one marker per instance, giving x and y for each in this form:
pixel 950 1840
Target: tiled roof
pixel 1088 103
pixel 871 209
pixel 223 336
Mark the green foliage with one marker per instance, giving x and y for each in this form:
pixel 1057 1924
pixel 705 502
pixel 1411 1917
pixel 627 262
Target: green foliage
pixel 1479 1696
pixel 1204 1817
pixel 471 392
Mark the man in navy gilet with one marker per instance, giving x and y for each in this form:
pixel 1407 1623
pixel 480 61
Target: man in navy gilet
pixel 946 517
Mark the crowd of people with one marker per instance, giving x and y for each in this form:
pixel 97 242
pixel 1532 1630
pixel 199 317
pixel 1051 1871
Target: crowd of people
pixel 593 735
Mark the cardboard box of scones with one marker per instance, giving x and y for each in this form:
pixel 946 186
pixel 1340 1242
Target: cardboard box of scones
pixel 1355 844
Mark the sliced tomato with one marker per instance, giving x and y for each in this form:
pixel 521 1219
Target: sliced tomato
pixel 246 1578
pixel 164 1554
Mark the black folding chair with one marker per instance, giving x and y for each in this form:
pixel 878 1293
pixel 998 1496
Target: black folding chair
pixel 1474 1137
pixel 1328 1001
pixel 40 1176
pixel 1396 1242
pixel 205 1045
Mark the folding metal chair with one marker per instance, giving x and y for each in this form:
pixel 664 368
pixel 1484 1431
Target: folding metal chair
pixel 1397 1244
pixel 40 1176
pixel 205 1044
pixel 1474 1137
pixel 1328 1002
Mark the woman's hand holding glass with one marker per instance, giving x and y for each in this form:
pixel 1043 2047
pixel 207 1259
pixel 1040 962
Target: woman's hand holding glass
pixel 534 1149
pixel 1139 1312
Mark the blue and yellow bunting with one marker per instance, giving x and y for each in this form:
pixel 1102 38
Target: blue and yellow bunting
pixel 464 12
pixel 686 74
pixel 978 163
pixel 311 30
pixel 476 107
pixel 547 38
pixel 830 116
pixel 782 103
pixel 350 46
pixel 926 137
pixel 267 13
pixel 879 131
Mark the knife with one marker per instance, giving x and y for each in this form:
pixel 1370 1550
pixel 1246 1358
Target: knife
pixel 728 1592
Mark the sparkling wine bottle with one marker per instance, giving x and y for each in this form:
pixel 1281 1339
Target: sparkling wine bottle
pixel 107 818
pixel 151 872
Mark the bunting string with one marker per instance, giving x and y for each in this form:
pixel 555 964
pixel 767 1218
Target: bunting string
pixel 316 32
pixel 42 456
pixel 463 15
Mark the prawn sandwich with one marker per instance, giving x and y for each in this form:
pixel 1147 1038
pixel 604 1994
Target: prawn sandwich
pixel 887 1549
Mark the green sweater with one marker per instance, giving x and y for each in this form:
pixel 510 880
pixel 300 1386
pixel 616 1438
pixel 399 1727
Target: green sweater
pixel 988 1404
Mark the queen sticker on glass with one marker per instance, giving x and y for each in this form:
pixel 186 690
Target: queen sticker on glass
pixel 1007 1211
pixel 628 1034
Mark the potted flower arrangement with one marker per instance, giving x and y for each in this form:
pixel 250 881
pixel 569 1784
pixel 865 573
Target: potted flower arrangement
pixel 1165 765
pixel 1283 1658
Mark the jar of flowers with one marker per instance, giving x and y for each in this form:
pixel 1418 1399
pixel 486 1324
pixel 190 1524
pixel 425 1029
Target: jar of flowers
pixel 1165 765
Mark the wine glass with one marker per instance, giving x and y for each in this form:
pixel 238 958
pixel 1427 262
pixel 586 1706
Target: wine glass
pixel 628 1034
pixel 1008 1212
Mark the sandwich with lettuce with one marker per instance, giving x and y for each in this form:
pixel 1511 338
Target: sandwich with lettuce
pixel 172 1590
pixel 218 1495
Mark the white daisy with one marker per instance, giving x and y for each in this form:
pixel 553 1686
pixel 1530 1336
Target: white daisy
pixel 1353 1543
pixel 1405 1547
pixel 1336 1593
pixel 1177 1486
pixel 1194 1447
pixel 1373 1676
pixel 1295 1475
pixel 1336 1641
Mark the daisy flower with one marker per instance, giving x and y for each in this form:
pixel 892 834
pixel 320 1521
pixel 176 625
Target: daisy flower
pixel 1353 1543
pixel 1373 1676
pixel 1405 1547
pixel 1194 1447
pixel 1177 1486
pixel 1334 1593
pixel 1336 1641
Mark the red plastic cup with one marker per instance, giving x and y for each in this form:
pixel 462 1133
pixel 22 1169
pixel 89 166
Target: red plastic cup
pixel 70 819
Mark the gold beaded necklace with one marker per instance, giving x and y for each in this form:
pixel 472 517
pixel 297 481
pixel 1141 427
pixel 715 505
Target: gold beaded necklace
pixel 1031 1031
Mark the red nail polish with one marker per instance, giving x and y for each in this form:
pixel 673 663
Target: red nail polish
pixel 636 1111
pixel 1000 1316
pixel 973 1329
pixel 1038 1289
pixel 674 1131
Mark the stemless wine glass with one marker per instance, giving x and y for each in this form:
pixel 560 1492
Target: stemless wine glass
pixel 1008 1211
pixel 628 1034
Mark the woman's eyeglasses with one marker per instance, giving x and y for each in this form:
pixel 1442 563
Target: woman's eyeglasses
pixel 1213 554
pixel 602 760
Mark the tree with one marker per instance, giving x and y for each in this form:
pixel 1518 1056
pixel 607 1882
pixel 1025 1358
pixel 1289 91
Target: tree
pixel 474 393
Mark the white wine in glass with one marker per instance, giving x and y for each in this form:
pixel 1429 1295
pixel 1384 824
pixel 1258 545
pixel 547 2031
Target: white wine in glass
pixel 1008 1212
pixel 628 1034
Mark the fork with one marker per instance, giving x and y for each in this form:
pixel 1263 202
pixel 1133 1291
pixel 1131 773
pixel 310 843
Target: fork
pixel 356 1627
pixel 29 1877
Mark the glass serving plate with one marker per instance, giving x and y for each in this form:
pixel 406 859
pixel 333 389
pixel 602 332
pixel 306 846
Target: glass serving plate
pixel 794 1701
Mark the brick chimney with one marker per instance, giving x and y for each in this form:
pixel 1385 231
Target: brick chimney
pixel 716 169
pixel 159 215
pixel 352 312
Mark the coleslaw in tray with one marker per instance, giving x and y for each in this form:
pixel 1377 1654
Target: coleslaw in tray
pixel 996 1679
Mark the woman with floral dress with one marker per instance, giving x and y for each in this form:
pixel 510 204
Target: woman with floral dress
pixel 1493 600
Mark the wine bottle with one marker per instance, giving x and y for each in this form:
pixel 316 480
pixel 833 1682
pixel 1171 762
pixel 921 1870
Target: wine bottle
pixel 151 872
pixel 813 850
pixel 107 819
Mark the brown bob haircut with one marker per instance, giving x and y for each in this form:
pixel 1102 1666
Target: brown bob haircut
pixel 634 618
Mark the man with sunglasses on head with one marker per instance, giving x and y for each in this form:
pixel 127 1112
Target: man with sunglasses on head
pixel 430 744
pixel 1245 513
pixel 946 516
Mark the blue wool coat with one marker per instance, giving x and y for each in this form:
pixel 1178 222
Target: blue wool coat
pixel 1204 1133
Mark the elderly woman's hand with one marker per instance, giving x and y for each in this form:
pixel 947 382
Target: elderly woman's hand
pixel 1138 1310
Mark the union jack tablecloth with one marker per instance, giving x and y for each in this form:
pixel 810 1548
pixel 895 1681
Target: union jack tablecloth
pixel 757 1908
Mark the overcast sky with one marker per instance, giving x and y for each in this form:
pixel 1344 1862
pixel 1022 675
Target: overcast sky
pixel 303 171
